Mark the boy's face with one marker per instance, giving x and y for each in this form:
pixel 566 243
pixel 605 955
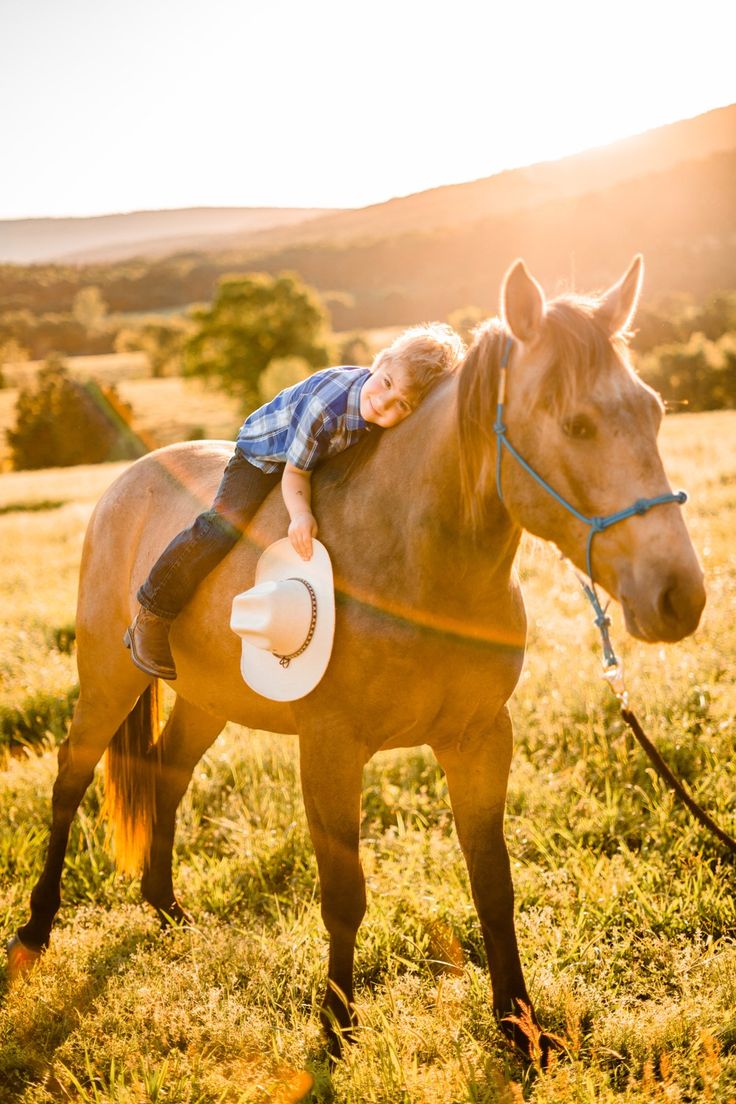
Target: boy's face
pixel 386 397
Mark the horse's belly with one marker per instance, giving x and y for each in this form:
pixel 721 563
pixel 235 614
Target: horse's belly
pixel 236 703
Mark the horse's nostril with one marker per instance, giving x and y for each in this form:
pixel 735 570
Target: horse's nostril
pixel 681 605
pixel 668 604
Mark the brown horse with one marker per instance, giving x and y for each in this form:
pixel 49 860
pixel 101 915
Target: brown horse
pixel 430 629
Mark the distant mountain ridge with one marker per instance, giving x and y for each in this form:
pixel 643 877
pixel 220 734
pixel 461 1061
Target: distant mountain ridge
pixel 515 189
pixel 138 233
pixel 683 219
pixel 152 234
pixel 669 193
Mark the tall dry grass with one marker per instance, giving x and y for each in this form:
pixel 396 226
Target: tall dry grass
pixel 626 912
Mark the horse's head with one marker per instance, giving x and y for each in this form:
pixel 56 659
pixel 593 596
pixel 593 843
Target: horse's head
pixel 578 414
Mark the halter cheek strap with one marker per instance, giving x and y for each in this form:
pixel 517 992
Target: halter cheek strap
pixel 595 524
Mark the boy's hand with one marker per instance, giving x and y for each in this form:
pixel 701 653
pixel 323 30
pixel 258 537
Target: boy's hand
pixel 301 530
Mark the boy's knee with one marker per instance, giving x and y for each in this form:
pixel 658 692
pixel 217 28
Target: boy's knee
pixel 218 528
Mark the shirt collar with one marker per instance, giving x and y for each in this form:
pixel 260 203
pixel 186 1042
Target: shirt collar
pixel 352 407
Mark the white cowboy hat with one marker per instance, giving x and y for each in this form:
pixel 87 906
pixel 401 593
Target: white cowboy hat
pixel 286 622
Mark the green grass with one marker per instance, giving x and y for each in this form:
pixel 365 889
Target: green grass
pixel 626 909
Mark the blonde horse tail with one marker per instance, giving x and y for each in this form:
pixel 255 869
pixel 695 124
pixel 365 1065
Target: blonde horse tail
pixel 131 767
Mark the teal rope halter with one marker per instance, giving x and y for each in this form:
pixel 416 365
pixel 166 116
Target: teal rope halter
pixel 595 524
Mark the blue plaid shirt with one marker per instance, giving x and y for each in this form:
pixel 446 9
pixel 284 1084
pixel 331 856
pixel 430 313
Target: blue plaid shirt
pixel 307 422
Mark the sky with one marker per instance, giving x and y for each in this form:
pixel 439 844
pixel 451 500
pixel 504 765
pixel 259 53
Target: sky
pixel 121 105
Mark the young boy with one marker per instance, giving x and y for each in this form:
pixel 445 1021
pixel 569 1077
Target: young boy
pixel 282 442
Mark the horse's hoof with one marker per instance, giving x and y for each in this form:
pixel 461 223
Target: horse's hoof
pixel 336 1039
pixel 551 1049
pixel 529 1041
pixel 174 917
pixel 21 959
pixel 340 1031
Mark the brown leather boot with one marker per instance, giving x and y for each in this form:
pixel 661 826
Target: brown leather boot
pixel 148 640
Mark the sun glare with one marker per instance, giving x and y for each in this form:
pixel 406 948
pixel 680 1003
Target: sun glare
pixel 327 105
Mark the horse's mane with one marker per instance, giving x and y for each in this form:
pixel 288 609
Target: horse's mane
pixel 581 351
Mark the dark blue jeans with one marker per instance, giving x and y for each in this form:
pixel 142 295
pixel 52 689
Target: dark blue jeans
pixel 196 551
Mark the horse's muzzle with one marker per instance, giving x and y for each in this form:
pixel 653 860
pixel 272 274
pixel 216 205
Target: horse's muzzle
pixel 663 607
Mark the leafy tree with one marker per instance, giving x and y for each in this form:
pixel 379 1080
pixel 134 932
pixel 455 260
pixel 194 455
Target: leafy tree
pixel 254 320
pixel 60 422
pixel 465 319
pixel 698 375
pixel 90 309
pixel 355 349
pixel 717 316
pixel 281 374
pixel 654 326
pixel 162 342
pixel 12 352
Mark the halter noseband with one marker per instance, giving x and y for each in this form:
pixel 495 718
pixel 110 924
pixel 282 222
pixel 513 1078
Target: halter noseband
pixel 595 524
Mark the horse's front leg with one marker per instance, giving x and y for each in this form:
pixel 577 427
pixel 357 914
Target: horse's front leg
pixel 331 770
pixel 477 770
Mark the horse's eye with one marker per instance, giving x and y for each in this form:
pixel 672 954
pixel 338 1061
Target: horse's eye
pixel 579 427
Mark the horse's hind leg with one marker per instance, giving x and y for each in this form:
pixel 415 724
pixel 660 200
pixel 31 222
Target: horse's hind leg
pixel 187 735
pixel 98 714
pixel 332 771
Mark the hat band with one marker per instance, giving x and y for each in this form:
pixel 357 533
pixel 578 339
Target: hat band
pixel 285 660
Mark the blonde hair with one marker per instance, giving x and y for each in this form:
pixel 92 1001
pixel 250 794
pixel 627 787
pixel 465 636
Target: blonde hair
pixel 425 353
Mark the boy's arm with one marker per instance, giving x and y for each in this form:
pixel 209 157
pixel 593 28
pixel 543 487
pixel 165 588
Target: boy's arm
pixel 296 488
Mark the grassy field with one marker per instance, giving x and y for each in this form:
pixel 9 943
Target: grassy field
pixel 626 911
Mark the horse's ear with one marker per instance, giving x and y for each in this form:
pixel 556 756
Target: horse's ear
pixel 522 302
pixel 618 305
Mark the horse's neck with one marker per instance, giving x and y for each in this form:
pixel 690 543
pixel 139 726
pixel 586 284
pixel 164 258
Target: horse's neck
pixel 483 559
pixel 403 518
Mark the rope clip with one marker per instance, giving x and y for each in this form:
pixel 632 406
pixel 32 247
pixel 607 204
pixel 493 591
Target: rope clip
pixel 613 673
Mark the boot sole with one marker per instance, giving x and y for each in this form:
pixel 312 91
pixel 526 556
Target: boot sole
pixel 167 673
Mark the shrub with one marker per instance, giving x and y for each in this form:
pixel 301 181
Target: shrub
pixel 60 422
pixel 699 375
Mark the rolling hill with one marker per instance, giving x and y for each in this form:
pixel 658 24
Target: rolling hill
pixel 682 219
pixel 139 233
pixel 152 234
pixel 668 193
pixel 515 190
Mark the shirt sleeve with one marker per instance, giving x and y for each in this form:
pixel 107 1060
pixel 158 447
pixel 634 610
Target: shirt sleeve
pixel 309 435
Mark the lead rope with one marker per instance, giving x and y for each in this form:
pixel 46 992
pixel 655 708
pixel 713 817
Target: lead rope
pixel 613 668
pixel 613 673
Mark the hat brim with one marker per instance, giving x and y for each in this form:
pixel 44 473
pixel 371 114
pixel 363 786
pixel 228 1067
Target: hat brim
pixel 262 670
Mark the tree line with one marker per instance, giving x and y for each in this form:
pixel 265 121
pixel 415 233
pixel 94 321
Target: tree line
pixel 255 324
pixel 261 333
pixel 682 221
